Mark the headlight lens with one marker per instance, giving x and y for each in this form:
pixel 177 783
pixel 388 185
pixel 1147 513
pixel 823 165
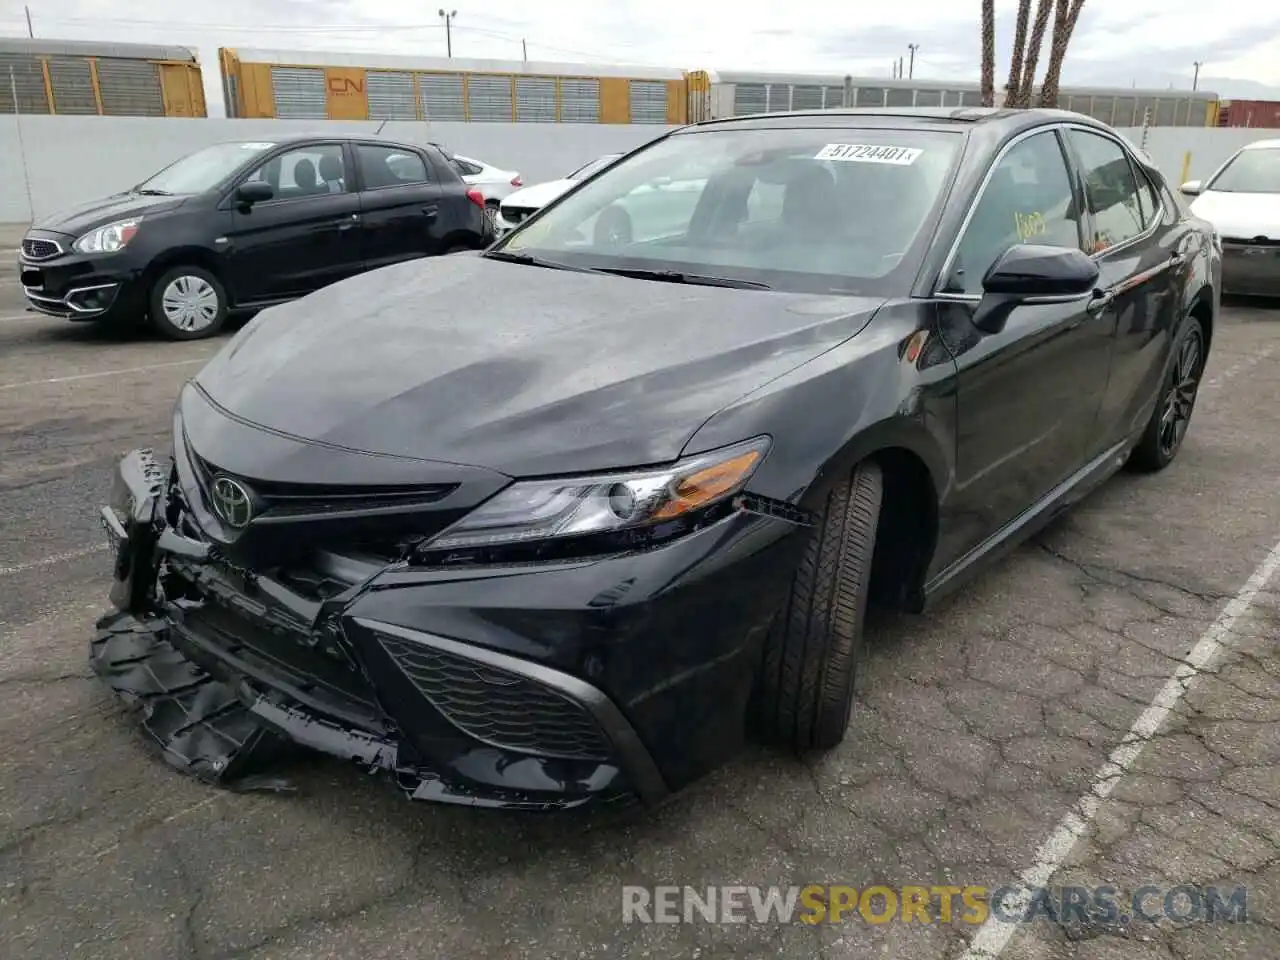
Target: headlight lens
pixel 581 506
pixel 108 239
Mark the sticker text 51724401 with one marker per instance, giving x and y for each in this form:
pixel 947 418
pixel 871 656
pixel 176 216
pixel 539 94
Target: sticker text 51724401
pixel 869 153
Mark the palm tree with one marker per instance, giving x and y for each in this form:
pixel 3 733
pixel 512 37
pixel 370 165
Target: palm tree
pixel 988 53
pixel 1063 26
pixel 1025 88
pixel 1011 91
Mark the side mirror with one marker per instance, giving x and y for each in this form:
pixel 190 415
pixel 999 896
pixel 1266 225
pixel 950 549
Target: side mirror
pixel 1027 273
pixel 1192 188
pixel 255 191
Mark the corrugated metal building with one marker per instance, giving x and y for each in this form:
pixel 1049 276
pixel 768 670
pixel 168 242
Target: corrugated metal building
pixel 110 79
pixel 340 86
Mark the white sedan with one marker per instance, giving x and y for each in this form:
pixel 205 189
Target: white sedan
pixel 522 204
pixel 494 182
pixel 1242 199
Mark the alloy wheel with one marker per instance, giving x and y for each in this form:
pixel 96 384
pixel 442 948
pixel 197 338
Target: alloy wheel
pixel 1181 397
pixel 190 303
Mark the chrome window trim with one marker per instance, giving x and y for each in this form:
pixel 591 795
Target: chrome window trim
pixel 949 262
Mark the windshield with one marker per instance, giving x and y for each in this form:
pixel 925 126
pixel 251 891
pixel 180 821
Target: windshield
pixel 818 210
pixel 1250 171
pixel 204 169
pixel 587 170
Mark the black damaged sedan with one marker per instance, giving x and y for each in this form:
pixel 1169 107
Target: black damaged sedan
pixel 564 521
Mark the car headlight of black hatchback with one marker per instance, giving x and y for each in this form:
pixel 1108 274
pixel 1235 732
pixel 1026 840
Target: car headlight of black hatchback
pixel 660 501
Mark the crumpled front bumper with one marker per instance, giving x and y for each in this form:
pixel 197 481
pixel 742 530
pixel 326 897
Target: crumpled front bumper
pixel 226 712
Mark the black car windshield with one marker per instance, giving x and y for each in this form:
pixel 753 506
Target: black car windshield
pixel 588 169
pixel 802 209
pixel 1250 171
pixel 204 169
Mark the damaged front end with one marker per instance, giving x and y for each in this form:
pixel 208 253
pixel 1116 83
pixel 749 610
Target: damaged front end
pixel 233 666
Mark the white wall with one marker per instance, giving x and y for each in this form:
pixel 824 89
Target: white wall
pixel 47 163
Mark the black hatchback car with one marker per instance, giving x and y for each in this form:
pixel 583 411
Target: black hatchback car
pixel 572 541
pixel 241 226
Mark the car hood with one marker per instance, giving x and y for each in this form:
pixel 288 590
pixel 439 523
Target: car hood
pixel 538 195
pixel 73 221
pixel 1240 215
pixel 519 369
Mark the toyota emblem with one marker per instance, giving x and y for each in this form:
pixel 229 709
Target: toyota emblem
pixel 231 503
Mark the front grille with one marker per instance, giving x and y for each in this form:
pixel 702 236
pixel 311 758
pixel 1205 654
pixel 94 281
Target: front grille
pixel 502 709
pixel 517 214
pixel 34 249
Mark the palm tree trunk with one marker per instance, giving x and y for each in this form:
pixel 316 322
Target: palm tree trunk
pixel 988 53
pixel 1062 29
pixel 1019 51
pixel 1043 9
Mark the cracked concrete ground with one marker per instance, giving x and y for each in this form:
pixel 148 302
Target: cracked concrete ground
pixel 979 726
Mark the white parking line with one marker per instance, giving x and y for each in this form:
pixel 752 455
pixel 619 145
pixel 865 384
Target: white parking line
pixel 994 935
pixel 105 373
pixel 51 561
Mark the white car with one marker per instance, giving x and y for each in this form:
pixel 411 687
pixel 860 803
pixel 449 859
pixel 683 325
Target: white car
pixel 522 204
pixel 494 182
pixel 1242 200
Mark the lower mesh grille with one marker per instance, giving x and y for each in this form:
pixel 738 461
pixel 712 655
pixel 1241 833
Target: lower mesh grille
pixel 499 708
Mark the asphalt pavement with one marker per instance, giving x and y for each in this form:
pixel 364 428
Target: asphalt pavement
pixel 1101 708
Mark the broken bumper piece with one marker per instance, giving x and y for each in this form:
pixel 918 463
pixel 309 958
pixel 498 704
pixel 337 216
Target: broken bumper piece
pixel 230 678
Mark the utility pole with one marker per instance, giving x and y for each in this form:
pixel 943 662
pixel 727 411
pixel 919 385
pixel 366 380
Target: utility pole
pixel 30 33
pixel 1195 80
pixel 448 29
pixel 911 65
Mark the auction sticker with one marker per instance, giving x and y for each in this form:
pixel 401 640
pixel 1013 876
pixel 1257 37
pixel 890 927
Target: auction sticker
pixel 869 153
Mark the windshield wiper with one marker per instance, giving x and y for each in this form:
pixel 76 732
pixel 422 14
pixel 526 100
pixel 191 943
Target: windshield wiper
pixel 152 192
pixel 530 260
pixel 675 276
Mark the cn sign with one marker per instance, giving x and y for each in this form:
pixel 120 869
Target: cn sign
pixel 346 86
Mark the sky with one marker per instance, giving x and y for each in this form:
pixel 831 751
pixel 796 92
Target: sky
pixel 1144 43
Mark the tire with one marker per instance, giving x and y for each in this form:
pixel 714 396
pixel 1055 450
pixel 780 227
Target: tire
pixel 1162 438
pixel 188 303
pixel 804 693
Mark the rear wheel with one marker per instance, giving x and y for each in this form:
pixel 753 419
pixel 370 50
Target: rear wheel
pixel 188 303
pixel 804 694
pixel 1165 431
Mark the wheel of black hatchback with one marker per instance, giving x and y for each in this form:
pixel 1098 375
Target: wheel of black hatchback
pixel 804 693
pixel 188 303
pixel 1163 436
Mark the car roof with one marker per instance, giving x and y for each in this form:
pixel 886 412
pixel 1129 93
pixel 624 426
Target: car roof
pixel 1262 145
pixel 289 138
pixel 1008 120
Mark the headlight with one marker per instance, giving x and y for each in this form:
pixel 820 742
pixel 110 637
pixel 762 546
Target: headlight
pixel 108 239
pixel 532 510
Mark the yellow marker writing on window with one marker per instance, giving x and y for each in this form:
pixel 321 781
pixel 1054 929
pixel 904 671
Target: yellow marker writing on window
pixel 1029 225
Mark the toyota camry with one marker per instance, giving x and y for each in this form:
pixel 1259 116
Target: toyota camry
pixel 567 520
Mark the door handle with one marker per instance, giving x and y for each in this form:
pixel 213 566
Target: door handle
pixel 347 225
pixel 1177 260
pixel 430 211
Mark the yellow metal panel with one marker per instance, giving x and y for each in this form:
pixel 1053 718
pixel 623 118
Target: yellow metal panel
pixel 1211 113
pixel 345 93
pixel 255 90
pixel 175 90
pixel 615 100
pixel 417 98
pixel 677 101
pixel 97 88
pixel 48 85
pixel 559 99
pixel 195 85
pixel 699 91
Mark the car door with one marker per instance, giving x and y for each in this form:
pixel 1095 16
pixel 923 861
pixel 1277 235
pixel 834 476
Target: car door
pixel 399 205
pixel 1138 251
pixel 1027 395
pixel 305 236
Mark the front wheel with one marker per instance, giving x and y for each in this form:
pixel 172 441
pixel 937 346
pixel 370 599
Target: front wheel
pixel 1165 431
pixel 804 694
pixel 188 303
